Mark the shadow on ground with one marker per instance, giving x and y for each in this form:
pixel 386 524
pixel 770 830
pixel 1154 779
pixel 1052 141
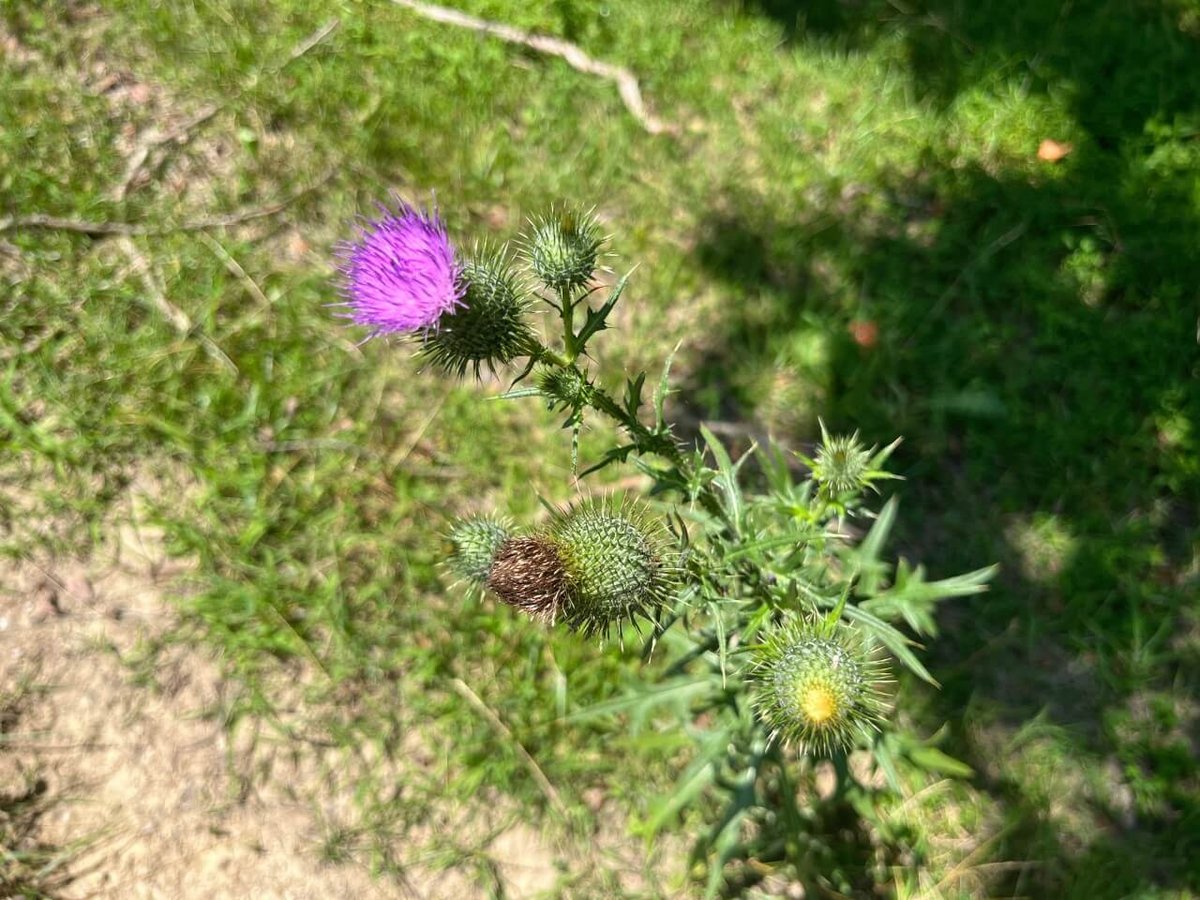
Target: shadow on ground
pixel 1034 338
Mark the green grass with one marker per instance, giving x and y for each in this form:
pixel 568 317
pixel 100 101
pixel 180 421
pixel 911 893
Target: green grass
pixel 837 163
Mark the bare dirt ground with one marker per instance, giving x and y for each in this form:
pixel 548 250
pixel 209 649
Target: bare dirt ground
pixel 144 787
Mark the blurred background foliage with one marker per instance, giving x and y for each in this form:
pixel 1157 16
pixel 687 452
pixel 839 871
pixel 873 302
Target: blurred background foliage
pixel 853 220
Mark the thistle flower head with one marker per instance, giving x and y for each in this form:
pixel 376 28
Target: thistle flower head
pixel 400 275
pixel 476 541
pixel 595 566
pixel 616 564
pixel 489 326
pixel 819 687
pixel 563 247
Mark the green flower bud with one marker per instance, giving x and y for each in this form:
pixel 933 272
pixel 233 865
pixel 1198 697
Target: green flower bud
pixel 567 387
pixel 819 687
pixel 596 566
pixel 843 464
pixel 490 325
pixel 615 560
pixel 476 541
pixel 563 248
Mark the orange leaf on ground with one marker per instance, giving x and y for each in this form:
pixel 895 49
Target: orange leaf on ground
pixel 1052 151
pixel 864 332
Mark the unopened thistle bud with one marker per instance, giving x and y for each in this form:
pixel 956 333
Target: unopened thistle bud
pixel 566 387
pixel 563 247
pixel 489 326
pixel 476 541
pixel 616 564
pixel 843 464
pixel 594 567
pixel 820 687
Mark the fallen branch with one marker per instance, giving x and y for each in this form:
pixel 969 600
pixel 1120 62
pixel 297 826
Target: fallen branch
pixel 627 84
pixel 464 691
pixel 156 297
pixel 138 229
pixel 153 139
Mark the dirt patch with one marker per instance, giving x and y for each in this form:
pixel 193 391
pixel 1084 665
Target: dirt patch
pixel 147 785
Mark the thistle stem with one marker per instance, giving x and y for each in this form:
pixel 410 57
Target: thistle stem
pixel 567 305
pixel 552 357
pixel 648 441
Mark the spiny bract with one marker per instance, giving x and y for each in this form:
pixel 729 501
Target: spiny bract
pixel 818 686
pixel 475 541
pixel 490 325
pixel 616 562
pixel 842 463
pixel 563 248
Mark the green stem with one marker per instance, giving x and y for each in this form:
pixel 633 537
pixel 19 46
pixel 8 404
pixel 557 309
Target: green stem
pixel 645 438
pixel 552 357
pixel 648 441
pixel 568 312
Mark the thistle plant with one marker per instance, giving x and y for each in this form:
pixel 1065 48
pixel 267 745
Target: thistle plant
pixel 773 626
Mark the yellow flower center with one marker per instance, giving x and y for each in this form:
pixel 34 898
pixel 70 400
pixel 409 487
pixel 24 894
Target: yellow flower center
pixel 818 703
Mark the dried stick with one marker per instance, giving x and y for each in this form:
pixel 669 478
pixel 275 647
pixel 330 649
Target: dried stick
pixel 464 691
pixel 157 298
pixel 627 84
pixel 138 229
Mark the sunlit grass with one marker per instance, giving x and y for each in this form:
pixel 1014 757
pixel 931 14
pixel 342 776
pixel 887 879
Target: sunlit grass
pixel 1034 344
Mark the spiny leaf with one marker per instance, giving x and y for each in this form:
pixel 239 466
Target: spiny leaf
pixel 660 393
pixel 597 319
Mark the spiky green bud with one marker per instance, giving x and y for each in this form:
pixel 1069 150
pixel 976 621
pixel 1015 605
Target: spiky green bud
pixel 563 248
pixel 616 564
pixel 595 566
pixel 566 387
pixel 842 464
pixel 475 541
pixel 490 326
pixel 819 686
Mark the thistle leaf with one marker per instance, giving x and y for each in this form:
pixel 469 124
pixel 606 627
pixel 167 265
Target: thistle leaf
pixel 871 571
pixel 727 481
pixel 664 388
pixel 597 319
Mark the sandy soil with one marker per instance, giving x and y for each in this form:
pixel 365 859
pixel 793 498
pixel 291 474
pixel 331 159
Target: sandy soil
pixel 145 780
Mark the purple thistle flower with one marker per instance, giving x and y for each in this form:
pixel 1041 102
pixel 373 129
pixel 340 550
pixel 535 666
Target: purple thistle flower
pixel 401 274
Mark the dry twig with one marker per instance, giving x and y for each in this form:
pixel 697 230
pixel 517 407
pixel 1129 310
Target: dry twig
pixel 627 83
pixel 464 691
pixel 153 139
pixel 138 229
